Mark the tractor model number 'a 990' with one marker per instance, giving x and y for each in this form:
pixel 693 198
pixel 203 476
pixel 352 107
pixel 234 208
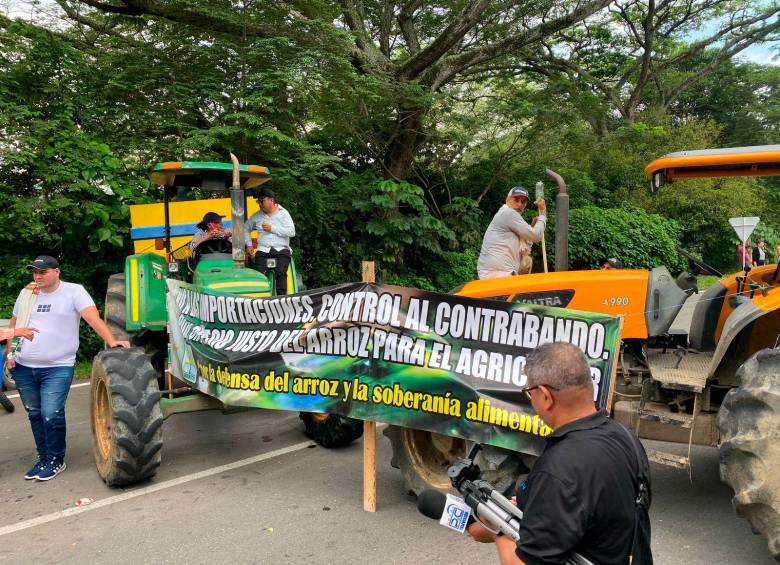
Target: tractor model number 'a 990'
pixel 616 301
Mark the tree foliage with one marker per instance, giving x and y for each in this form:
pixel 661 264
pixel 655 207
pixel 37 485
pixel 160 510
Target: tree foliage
pixel 640 240
pixel 393 130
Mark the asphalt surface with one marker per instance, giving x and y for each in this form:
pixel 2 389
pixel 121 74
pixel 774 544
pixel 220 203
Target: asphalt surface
pixel 303 506
pixel 249 488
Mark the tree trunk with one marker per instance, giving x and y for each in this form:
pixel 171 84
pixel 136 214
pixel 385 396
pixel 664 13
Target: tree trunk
pixel 599 126
pixel 406 138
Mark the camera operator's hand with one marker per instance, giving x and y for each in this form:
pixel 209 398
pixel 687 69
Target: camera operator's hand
pixel 507 551
pixel 479 533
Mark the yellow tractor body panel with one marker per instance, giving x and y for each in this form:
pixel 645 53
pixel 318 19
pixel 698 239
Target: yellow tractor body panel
pixel 147 221
pixel 613 292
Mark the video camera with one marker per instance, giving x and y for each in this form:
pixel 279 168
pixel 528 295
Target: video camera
pixel 484 501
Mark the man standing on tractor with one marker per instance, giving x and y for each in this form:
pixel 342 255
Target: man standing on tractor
pixel 43 368
pixel 274 227
pixel 506 246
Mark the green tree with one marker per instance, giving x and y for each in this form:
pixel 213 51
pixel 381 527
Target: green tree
pixel 62 188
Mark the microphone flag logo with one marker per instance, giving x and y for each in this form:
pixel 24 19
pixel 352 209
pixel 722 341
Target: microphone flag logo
pixel 456 514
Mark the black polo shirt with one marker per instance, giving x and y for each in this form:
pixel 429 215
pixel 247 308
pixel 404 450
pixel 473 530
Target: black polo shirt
pixel 580 495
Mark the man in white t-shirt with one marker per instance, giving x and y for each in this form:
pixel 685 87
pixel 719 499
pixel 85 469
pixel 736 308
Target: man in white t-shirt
pixel 43 368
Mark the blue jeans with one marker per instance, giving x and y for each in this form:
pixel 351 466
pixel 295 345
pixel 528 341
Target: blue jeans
pixel 43 393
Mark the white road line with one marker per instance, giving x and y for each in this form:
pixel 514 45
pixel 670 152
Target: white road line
pixel 71 386
pixel 150 489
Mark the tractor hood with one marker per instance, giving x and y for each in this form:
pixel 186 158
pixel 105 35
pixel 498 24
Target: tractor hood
pixel 220 275
pixel 648 301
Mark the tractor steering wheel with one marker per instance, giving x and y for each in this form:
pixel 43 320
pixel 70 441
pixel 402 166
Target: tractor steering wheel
pixel 207 247
pixel 697 266
pixel 214 245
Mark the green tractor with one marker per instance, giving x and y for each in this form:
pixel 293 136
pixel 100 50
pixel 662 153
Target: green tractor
pixel 133 390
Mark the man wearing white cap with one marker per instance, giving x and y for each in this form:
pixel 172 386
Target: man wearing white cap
pixel 507 243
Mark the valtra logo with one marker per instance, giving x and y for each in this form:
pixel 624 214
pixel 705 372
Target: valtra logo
pixel 557 298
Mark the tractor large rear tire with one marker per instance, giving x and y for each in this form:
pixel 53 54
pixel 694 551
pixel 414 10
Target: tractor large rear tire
pixel 115 307
pixel 126 417
pixel 331 430
pixel 115 318
pixel 749 425
pixel 424 457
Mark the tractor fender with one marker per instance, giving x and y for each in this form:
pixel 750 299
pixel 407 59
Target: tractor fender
pixel 748 329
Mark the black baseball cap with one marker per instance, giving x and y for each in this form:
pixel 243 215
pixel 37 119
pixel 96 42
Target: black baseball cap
pixel 265 193
pixel 519 191
pixel 209 218
pixel 44 262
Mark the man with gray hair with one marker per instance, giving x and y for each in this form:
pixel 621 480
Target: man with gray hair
pixel 506 246
pixel 589 491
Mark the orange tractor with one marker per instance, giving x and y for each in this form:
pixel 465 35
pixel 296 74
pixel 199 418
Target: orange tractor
pixel 717 384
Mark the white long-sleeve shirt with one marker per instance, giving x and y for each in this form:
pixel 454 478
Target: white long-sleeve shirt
pixel 282 229
pixel 505 238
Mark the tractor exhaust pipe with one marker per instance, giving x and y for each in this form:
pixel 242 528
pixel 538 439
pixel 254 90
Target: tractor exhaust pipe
pixel 561 223
pixel 237 202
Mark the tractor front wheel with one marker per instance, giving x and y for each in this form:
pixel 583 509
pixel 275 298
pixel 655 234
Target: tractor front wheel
pixel 424 458
pixel 126 417
pixel 331 430
pixel 749 425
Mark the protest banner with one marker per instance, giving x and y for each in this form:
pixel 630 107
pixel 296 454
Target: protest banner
pixel 437 362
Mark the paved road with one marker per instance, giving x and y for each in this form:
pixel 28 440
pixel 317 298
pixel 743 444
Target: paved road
pixel 303 506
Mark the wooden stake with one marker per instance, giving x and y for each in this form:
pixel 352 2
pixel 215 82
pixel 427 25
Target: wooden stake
pixel 369 429
pixel 544 253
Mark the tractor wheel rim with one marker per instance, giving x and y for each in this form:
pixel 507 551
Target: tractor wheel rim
pixel 432 454
pixel 102 419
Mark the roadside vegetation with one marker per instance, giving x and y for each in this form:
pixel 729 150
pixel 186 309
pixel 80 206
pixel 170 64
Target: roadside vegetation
pixel 393 130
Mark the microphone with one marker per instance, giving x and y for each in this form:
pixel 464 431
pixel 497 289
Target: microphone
pixel 434 504
pixel 431 503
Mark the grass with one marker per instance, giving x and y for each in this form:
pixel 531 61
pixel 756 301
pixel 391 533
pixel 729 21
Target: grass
pixel 706 281
pixel 82 370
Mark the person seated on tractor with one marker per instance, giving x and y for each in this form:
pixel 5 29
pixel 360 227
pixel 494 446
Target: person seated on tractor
pixel 274 227
pixel 209 227
pixel 611 264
